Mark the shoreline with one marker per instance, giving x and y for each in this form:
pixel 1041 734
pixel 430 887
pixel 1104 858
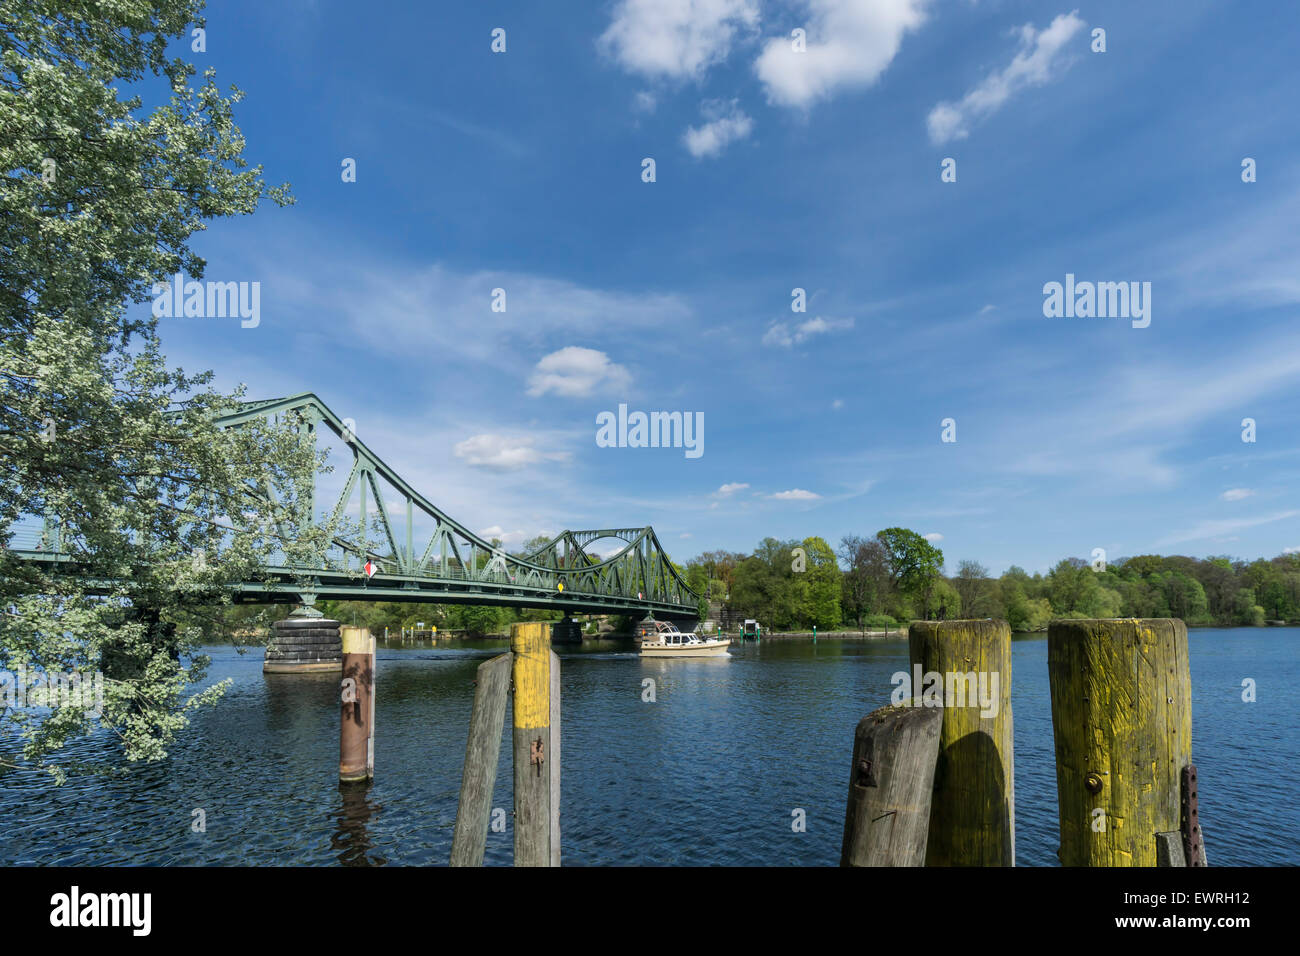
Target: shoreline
pixel 899 633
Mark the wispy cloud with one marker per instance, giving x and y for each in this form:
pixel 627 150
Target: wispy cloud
pixel 786 335
pixel 1039 60
pixel 423 116
pixel 503 452
pixel 1216 528
pixel 1236 494
pixel 406 312
pixel 1149 409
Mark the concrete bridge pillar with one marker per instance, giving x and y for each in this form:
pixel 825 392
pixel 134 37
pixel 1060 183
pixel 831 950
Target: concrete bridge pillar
pixel 304 642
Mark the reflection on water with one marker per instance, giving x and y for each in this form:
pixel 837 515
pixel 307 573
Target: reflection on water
pixel 711 772
pixel 351 839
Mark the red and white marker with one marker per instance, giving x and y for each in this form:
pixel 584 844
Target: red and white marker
pixel 371 568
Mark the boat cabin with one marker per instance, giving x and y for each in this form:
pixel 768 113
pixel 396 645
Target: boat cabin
pixel 665 632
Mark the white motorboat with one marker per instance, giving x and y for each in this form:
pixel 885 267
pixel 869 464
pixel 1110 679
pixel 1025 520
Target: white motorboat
pixel 668 641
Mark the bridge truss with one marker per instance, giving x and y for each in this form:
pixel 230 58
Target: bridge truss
pixel 419 553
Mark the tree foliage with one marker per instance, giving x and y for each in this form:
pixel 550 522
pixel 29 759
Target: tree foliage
pixel 896 576
pixel 99 198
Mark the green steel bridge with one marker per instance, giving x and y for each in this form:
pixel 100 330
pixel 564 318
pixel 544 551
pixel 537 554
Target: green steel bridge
pixel 446 563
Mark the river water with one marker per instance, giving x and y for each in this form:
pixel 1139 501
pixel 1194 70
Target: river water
pixel 714 771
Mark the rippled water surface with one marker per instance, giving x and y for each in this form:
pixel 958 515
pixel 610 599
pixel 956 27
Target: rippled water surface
pixel 710 773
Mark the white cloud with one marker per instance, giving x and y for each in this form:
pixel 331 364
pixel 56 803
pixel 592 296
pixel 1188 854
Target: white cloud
pixel 933 536
pixel 685 534
pixel 726 123
pixel 645 101
pixel 837 404
pixel 1034 65
pixel 1291 550
pixel 574 371
pixel 795 494
pixel 849 44
pixel 1236 494
pixel 675 39
pixel 731 488
pixel 782 334
pixel 502 452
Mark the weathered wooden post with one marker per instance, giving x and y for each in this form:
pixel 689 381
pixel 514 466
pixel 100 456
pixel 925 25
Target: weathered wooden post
pixel 965 668
pixel 1122 720
pixel 357 725
pixel 536 671
pixel 890 787
pixel 482 750
pixel 554 781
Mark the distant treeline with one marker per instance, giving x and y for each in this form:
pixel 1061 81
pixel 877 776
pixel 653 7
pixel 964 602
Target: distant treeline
pixel 897 576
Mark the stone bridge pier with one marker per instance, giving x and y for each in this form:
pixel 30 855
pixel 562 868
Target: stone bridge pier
pixel 304 642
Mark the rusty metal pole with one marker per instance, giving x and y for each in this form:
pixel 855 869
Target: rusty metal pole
pixel 356 729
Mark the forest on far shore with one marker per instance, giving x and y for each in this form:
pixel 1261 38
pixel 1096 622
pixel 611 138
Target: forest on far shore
pixel 897 576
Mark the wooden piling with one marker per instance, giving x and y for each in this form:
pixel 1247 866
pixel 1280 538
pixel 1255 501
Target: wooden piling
pixel 482 751
pixel 357 723
pixel 555 759
pixel 891 783
pixel 973 813
pixel 1122 721
pixel 536 761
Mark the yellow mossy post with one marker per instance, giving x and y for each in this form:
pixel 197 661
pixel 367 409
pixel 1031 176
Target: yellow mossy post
pixel 1122 720
pixel 536 671
pixel 973 812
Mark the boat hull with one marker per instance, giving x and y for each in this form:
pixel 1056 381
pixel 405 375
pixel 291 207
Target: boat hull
pixel 716 649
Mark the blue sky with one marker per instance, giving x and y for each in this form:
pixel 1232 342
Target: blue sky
pixel 778 170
